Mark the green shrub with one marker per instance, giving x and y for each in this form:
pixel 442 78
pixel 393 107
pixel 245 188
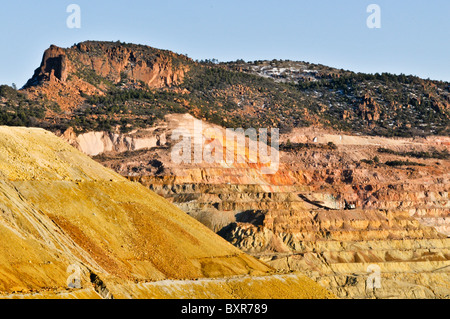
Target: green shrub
pixel 444 154
pixel 403 163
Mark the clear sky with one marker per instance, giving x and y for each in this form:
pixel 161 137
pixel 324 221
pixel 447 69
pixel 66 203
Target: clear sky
pixel 414 37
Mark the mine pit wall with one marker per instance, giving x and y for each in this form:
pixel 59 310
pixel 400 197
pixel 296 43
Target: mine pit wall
pixel 402 228
pixel 207 189
pixel 96 143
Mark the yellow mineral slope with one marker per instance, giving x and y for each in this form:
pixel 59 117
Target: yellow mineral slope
pixel 60 208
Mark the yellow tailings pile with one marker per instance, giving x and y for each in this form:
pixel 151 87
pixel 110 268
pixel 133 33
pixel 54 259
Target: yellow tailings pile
pixel 59 208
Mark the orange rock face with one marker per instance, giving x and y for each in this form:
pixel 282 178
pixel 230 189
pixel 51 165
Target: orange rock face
pixel 66 75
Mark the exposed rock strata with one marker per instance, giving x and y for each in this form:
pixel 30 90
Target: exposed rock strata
pixel 324 212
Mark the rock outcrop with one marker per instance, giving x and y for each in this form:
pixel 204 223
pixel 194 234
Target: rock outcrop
pixel 67 76
pixel 109 60
pixel 53 66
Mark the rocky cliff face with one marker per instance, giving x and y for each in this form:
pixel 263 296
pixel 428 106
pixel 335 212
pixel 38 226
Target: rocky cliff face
pixel 325 212
pixel 53 66
pixel 66 76
pixel 154 67
pixel 112 61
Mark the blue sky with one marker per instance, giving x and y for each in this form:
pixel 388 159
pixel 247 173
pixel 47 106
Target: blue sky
pixel 414 37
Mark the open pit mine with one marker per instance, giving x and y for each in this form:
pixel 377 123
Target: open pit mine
pixel 94 204
pixel 324 213
pixel 71 228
